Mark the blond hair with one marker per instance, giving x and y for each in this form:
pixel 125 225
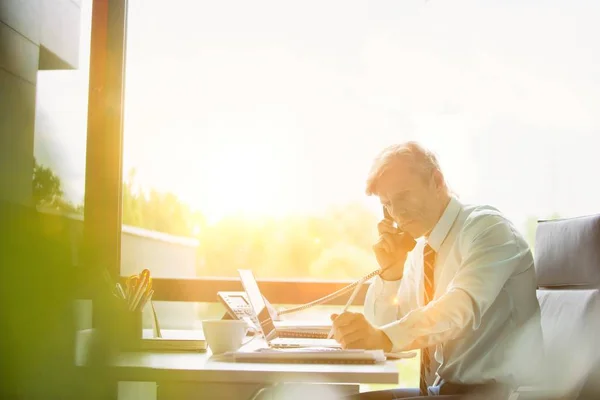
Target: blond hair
pixel 421 160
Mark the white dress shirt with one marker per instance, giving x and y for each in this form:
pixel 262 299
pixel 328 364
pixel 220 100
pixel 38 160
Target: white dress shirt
pixel 484 319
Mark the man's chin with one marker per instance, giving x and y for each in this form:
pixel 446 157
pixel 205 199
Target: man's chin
pixel 413 229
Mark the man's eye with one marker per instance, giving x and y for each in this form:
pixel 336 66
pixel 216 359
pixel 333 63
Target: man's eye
pixel 401 197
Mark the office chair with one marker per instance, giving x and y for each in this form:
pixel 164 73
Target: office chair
pixel 567 263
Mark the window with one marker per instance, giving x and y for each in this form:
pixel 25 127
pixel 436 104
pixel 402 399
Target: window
pixel 250 127
pixel 252 131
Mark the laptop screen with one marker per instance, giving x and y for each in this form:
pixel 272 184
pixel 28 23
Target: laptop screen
pixel 258 304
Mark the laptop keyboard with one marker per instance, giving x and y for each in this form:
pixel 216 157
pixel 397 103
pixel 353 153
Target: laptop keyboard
pixel 306 335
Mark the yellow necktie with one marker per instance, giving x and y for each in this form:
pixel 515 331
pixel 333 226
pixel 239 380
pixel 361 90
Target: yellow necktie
pixel 428 264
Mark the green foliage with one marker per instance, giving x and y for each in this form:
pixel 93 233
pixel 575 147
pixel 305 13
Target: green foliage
pixel 344 261
pixel 132 206
pixel 335 245
pixel 47 187
pixel 157 211
pixel 48 193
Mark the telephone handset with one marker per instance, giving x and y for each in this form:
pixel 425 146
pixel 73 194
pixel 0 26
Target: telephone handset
pixel 386 215
pixel 408 242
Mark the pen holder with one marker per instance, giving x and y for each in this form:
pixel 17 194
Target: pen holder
pixel 130 330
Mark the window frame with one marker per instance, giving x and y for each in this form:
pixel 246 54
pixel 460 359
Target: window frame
pixel 104 180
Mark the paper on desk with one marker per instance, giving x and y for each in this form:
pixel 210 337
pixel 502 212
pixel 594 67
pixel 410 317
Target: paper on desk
pixel 389 356
pixel 315 349
pixel 314 354
pixel 400 355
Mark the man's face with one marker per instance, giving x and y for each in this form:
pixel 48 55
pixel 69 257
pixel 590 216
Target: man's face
pixel 411 199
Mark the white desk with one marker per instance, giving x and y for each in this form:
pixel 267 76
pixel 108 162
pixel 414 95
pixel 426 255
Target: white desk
pixel 196 375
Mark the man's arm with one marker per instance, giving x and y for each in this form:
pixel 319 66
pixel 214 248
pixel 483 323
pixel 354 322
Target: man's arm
pixel 387 301
pixel 381 306
pixel 491 254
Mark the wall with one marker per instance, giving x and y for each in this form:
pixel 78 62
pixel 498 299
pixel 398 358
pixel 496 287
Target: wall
pixel 34 35
pixel 165 256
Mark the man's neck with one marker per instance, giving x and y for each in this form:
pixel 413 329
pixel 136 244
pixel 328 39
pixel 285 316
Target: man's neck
pixel 444 201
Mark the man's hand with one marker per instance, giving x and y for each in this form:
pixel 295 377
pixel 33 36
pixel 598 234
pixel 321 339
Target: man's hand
pixel 391 250
pixel 353 331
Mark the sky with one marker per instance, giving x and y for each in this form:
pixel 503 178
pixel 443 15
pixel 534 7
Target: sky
pixel 272 107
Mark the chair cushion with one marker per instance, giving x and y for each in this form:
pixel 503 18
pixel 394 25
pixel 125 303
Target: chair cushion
pixel 567 252
pixel 570 323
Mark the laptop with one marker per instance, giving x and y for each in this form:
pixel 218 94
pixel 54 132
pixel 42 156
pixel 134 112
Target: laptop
pixel 264 316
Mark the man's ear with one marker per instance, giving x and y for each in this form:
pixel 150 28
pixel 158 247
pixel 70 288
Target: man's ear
pixel 438 179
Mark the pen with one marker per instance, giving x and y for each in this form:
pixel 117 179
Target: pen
pixel 131 286
pixel 156 326
pixel 120 291
pixel 143 300
pixel 350 300
pixel 140 289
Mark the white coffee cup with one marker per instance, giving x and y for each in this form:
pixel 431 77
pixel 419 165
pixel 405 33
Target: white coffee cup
pixel 223 335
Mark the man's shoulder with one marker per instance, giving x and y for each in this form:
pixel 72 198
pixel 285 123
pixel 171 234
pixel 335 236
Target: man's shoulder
pixel 485 227
pixel 479 218
pixel 474 212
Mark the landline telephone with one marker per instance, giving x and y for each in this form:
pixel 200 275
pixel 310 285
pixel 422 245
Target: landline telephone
pixel 238 307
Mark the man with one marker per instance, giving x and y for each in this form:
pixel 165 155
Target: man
pixel 464 295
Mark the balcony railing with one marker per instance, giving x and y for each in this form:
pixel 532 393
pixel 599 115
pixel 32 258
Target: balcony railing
pixel 204 290
pixel 166 253
pixel 278 291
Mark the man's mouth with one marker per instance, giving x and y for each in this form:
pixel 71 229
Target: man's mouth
pixel 404 224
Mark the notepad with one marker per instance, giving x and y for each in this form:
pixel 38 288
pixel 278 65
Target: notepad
pixel 309 355
pixel 301 329
pixel 173 340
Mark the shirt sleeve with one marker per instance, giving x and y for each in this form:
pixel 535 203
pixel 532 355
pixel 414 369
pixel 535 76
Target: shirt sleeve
pixel 491 254
pixel 383 303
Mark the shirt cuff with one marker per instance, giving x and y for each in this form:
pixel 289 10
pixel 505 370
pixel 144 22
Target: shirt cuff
pixel 398 335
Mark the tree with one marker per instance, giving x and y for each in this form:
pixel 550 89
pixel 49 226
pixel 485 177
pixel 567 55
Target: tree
pixel 157 211
pixel 47 188
pixel 343 261
pixel 48 193
pixel 335 245
pixel 132 204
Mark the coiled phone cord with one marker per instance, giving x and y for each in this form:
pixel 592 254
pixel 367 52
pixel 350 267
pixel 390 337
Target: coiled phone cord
pixel 407 242
pixel 331 296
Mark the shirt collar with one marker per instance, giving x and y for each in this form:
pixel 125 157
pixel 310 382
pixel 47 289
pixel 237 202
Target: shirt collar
pixel 442 228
